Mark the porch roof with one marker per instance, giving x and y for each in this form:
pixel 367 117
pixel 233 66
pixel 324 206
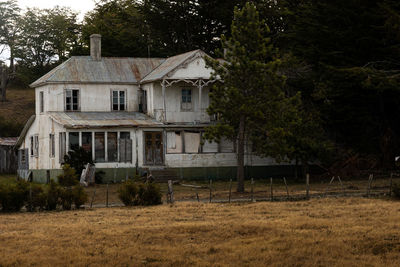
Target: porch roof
pixel 79 120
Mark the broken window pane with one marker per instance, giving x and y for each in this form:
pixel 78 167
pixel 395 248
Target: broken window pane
pixel 112 146
pixel 124 135
pixel 192 142
pixel 73 141
pixel 99 147
pixel 87 141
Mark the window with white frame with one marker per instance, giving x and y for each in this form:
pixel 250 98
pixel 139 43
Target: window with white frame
pixel 71 99
pixel 186 101
pixel 52 146
pixel 34 145
pixel 118 100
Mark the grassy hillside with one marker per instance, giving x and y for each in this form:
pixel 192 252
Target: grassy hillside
pixel 320 232
pixel 20 105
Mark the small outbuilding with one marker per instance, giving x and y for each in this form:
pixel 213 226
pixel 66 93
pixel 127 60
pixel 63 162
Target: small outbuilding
pixel 8 155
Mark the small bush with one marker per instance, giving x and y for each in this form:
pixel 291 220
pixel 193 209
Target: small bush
pixel 127 193
pixel 37 198
pixel 79 196
pixel 13 196
pixel 396 191
pixel 69 176
pixel 146 194
pixel 52 194
pixel 149 194
pixel 66 197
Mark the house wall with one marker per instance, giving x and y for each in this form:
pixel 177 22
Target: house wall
pixel 93 97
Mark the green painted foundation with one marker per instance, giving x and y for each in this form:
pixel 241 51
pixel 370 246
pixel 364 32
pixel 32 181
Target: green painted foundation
pixel 116 175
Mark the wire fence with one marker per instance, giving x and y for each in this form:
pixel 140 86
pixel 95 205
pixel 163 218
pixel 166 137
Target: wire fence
pixel 272 189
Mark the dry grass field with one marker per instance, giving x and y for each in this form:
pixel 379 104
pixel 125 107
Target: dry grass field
pixel 20 105
pixel 319 232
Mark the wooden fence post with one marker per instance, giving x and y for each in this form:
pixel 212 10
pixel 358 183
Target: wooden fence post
pixel 252 190
pixel 371 176
pixel 391 184
pixel 197 196
pixel 287 189
pixel 107 196
pixel 170 192
pixel 308 186
pixel 230 190
pixel 94 193
pixel 341 184
pixel 271 189
pixel 210 190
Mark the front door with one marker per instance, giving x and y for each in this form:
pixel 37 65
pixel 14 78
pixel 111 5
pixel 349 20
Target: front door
pixel 154 148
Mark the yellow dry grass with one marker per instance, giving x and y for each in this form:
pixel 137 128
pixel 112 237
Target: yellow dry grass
pixel 20 105
pixel 319 232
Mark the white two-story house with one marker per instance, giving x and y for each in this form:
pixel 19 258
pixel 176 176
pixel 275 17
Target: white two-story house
pixel 131 114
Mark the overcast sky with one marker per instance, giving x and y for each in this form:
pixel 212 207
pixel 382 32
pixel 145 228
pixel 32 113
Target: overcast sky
pixel 81 6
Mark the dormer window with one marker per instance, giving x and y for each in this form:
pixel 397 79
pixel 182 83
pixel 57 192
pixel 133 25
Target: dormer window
pixel 118 100
pixel 71 99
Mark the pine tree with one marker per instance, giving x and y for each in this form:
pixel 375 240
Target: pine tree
pixel 251 92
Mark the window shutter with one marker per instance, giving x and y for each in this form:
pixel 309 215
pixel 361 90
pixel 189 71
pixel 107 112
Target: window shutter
pixel 128 151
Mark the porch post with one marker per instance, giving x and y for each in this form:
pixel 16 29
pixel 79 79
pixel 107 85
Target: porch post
pixel 164 103
pixel 200 86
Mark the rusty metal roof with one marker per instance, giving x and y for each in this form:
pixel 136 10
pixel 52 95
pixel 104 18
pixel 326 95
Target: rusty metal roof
pixel 170 64
pixel 8 141
pixel 82 69
pixel 79 120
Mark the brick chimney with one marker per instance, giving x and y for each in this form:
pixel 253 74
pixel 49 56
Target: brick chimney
pixel 95 47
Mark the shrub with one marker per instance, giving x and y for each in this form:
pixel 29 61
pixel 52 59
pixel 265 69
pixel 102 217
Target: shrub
pixel 66 197
pixel 37 198
pixel 396 191
pixel 13 196
pixel 127 193
pixel 52 195
pixel 69 177
pixel 144 194
pixel 149 194
pixel 79 196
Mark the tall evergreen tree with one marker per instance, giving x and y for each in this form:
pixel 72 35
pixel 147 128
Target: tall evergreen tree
pixel 251 93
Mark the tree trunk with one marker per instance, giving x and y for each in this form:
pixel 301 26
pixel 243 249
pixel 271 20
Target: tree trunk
pixel 240 156
pixel 3 82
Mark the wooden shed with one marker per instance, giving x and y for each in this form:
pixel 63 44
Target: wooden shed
pixel 8 155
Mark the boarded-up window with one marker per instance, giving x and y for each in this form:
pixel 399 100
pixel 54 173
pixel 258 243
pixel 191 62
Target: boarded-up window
pixel 73 141
pixel 210 147
pixel 99 147
pixel 52 145
pixel 226 146
pixel 125 147
pixel 112 150
pixel 192 142
pixel 87 141
pixel 174 142
pixel 62 143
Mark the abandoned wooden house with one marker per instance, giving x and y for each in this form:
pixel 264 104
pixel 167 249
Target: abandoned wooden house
pixel 8 155
pixel 131 114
